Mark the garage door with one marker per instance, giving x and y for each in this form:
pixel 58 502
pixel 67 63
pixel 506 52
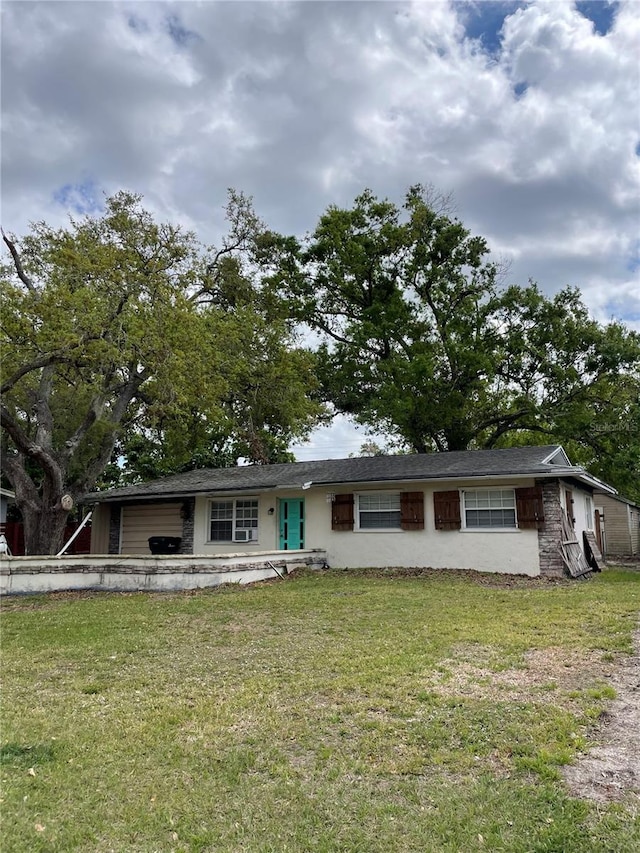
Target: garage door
pixel 141 522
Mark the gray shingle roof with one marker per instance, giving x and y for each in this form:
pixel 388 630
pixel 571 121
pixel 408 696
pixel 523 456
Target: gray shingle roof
pixel 376 469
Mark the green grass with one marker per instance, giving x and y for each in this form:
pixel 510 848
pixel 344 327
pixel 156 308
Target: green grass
pixel 330 712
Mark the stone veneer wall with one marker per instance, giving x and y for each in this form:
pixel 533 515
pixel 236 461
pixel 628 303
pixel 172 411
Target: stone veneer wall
pixel 188 521
pixel 550 535
pixel 114 529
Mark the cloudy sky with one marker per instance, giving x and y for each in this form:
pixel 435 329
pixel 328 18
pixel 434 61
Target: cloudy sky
pixel 527 112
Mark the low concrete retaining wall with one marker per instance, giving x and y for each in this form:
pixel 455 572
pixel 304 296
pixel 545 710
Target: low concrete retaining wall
pixel 157 573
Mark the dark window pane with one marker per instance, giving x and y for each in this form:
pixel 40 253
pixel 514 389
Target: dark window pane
pixel 491 518
pixel 220 531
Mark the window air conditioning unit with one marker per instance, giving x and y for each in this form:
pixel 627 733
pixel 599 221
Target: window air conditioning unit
pixel 243 536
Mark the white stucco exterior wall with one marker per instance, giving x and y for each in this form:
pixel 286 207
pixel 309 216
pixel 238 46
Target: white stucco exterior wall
pixel 583 507
pixel 267 524
pixel 505 551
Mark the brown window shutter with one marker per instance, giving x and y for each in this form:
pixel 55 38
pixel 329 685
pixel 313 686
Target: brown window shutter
pixel 529 508
pixel 446 507
pixel 412 510
pixel 342 512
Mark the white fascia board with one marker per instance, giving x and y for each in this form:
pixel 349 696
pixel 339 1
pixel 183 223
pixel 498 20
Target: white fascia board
pixel 594 482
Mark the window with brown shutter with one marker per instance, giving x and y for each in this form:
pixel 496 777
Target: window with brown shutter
pixel 412 510
pixel 342 512
pixel 446 507
pixel 530 508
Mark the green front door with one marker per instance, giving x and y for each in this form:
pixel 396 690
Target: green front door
pixel 291 513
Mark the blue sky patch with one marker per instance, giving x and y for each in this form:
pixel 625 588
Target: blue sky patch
pixel 178 32
pixel 621 311
pixel 84 198
pixel 520 89
pixel 633 264
pixel 601 13
pixel 484 20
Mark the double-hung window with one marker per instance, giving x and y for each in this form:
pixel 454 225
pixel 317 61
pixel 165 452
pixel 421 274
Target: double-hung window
pixel 233 520
pixel 489 508
pixel 379 511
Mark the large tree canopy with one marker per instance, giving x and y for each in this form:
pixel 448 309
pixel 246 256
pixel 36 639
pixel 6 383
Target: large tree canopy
pixel 129 350
pixel 119 331
pixel 421 340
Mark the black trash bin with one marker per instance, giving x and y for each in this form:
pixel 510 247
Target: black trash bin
pixel 164 544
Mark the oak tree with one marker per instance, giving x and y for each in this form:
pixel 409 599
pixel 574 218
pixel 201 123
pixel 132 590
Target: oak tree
pixel 421 339
pixel 114 327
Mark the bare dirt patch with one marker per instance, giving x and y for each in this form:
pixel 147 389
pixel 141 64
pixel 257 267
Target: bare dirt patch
pixel 545 674
pixel 493 580
pixel 611 770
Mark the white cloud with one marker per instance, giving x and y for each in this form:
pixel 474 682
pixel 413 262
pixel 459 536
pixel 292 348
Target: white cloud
pixel 337 441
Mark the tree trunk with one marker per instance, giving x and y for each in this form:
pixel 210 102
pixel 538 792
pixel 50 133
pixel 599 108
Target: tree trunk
pixel 44 530
pixel 457 439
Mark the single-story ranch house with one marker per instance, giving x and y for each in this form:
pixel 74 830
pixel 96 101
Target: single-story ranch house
pixel 519 510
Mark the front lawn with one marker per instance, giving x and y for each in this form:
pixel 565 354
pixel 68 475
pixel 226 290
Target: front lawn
pixel 338 711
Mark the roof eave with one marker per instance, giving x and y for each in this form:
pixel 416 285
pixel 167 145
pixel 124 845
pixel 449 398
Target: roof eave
pixel 96 497
pixel 594 482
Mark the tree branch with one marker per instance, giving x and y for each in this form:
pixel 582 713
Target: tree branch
pixel 505 427
pixel 57 357
pixel 96 407
pixel 29 448
pixel 225 250
pixel 24 278
pixel 44 418
pixel 103 453
pixel 24 487
pixel 36 364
